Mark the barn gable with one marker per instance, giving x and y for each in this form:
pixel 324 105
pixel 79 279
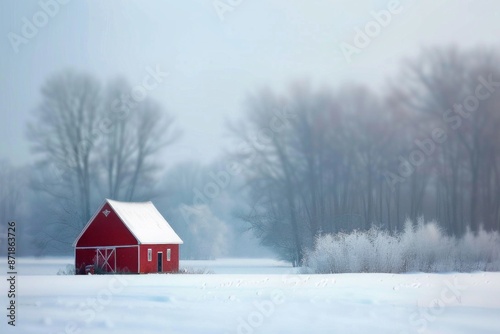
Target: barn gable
pixel 105 229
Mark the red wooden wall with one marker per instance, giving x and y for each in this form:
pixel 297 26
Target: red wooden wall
pixel 106 231
pixel 152 266
pixel 127 259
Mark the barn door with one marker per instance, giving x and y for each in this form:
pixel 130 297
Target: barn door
pixel 106 259
pixel 160 262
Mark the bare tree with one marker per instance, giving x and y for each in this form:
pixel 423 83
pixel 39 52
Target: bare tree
pixel 437 86
pixel 11 191
pixel 63 129
pixel 154 130
pixel 131 140
pixel 271 171
pixel 84 143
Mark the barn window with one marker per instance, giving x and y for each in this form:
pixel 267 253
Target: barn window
pixel 168 254
pixel 150 254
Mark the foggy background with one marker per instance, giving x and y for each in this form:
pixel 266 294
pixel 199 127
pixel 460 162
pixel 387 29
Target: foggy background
pixel 230 66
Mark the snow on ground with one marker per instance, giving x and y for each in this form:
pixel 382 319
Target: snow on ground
pixel 252 296
pixel 51 265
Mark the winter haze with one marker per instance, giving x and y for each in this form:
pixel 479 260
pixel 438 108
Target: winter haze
pixel 328 165
pixel 212 64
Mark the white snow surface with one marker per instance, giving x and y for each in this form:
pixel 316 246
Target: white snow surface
pixel 250 296
pixel 145 222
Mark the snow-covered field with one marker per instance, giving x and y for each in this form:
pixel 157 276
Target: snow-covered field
pixel 251 296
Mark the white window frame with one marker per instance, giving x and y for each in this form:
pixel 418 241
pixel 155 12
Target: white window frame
pixel 169 254
pixel 150 254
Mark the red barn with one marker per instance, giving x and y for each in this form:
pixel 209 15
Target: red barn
pixel 127 237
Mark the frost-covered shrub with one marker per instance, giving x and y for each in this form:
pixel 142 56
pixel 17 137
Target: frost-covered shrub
pixel 69 270
pixel 193 271
pixel 423 247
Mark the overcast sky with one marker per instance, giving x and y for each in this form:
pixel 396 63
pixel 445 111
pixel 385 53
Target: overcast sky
pixel 214 64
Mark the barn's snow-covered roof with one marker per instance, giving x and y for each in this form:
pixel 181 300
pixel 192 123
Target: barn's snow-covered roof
pixel 145 222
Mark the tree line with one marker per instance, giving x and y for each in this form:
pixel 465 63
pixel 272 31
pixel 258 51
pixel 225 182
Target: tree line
pixel 350 158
